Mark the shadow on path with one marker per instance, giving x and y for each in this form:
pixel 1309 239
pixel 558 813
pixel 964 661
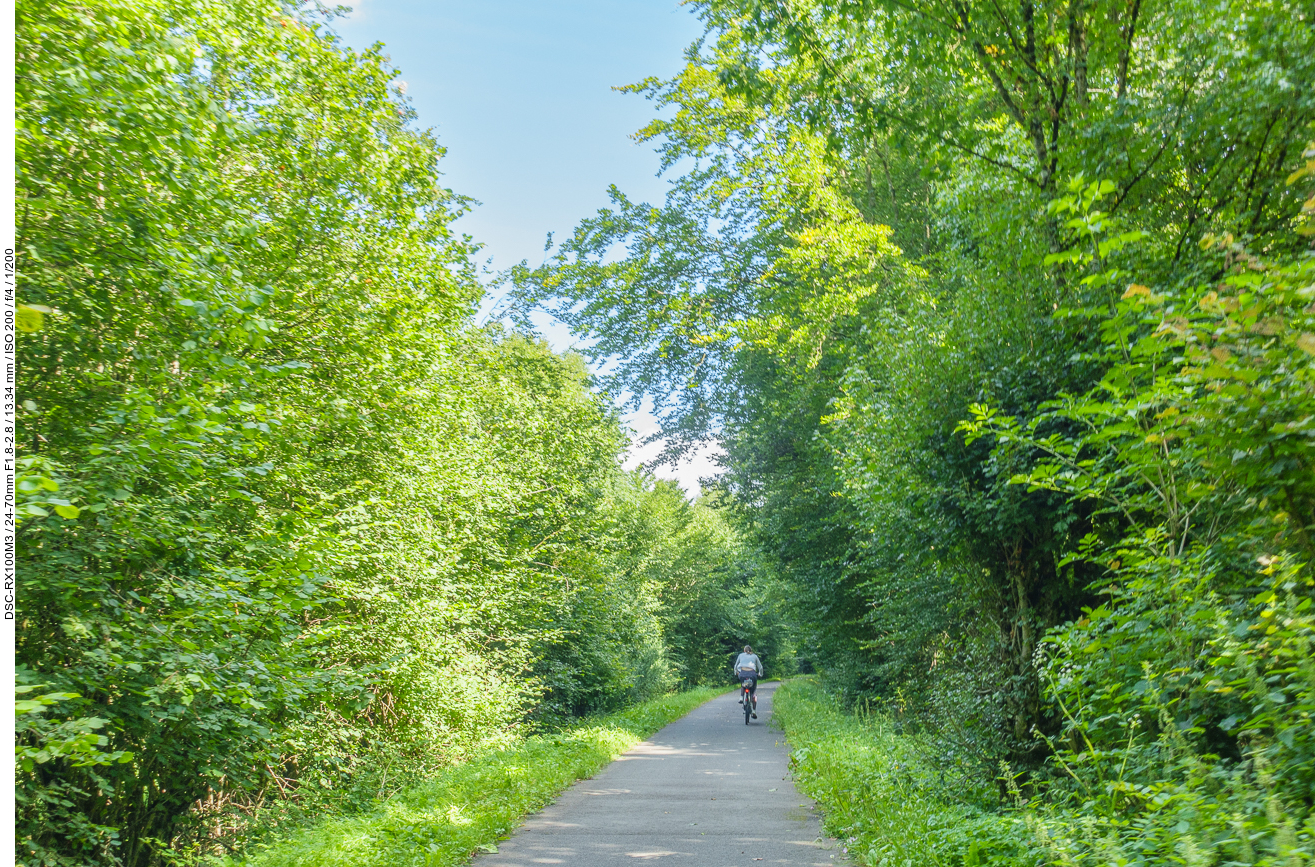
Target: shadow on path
pixel 706 790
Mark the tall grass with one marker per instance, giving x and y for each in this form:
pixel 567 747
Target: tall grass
pixel 468 808
pixel 887 796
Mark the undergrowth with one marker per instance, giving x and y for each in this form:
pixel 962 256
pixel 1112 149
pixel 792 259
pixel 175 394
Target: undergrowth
pixel 468 808
pixel 895 800
pixel 887 796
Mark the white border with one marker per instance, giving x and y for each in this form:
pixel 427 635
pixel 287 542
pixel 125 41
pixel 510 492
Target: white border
pixel 8 843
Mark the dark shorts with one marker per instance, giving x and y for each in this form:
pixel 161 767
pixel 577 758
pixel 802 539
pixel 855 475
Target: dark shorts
pixel 740 677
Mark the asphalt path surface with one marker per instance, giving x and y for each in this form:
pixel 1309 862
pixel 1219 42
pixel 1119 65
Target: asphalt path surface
pixel 706 790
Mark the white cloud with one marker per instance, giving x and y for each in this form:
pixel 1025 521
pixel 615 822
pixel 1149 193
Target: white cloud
pixel 357 14
pixel 701 464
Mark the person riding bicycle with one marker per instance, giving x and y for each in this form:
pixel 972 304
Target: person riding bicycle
pixel 749 667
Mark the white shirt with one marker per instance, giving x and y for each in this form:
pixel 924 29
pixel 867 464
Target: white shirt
pixel 749 660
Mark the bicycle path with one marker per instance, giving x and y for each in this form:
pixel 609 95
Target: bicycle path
pixel 706 791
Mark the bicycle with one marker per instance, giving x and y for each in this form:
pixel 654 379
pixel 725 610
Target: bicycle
pixel 748 699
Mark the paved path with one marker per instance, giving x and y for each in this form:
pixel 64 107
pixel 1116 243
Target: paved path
pixel 706 791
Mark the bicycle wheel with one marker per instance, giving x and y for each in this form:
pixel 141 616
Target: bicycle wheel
pixel 748 706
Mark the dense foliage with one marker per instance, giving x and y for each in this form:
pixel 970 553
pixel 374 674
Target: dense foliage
pixel 1002 313
pixel 886 794
pixel 294 531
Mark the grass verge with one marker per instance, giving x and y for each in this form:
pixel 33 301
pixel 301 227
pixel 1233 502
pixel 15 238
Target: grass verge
pixel 470 807
pixel 886 797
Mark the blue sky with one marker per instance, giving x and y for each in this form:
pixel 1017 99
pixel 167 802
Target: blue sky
pixel 520 94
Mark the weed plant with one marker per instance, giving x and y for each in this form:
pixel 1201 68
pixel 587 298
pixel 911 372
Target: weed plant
pixel 894 801
pixel 886 795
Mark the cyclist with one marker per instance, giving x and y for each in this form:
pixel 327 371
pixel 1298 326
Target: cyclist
pixel 749 667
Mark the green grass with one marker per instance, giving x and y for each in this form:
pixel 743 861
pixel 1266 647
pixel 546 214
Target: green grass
pixel 885 795
pixel 471 806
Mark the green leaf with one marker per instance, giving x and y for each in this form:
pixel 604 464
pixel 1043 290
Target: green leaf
pixel 28 320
